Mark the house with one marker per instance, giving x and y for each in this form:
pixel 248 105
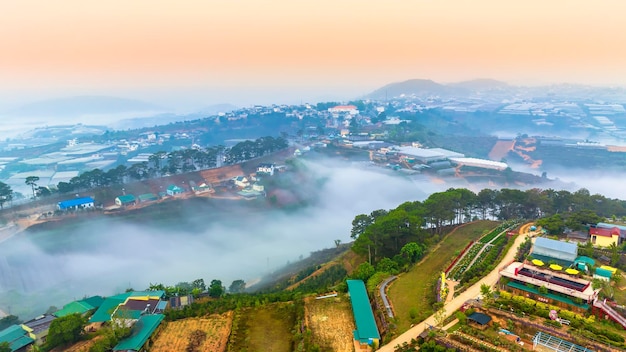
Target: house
pixel 241 181
pixel 81 307
pixel 40 326
pixel 366 332
pixel 173 190
pixel 125 200
pixel 136 306
pixel 265 169
pixel 147 197
pixel 75 204
pixel 479 320
pixel 604 237
pixel 110 304
pixel 19 337
pixel 179 302
pixel 142 330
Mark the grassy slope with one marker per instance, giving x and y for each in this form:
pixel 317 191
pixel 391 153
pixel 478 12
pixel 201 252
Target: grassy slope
pixel 266 328
pixel 409 290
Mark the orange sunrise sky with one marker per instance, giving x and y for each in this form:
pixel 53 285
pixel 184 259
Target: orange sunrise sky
pixel 61 47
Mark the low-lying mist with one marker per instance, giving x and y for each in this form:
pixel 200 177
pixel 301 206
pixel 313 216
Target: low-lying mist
pixel 107 255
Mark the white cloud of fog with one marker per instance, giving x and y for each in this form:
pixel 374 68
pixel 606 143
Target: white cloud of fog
pixel 108 256
pixel 104 258
pixel 604 181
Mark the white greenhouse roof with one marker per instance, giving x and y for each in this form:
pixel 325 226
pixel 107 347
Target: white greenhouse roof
pixel 421 152
pixel 555 245
pixel 482 163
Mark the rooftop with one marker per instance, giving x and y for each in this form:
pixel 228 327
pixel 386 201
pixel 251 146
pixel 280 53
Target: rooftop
pixel 141 332
pixel 555 245
pixel 557 282
pixel 75 202
pixel 16 336
pixel 366 329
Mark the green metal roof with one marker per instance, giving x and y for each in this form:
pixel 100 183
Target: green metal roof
pixel 366 329
pixel 16 336
pixel 141 332
pixel 76 307
pixel 174 188
pixel 603 272
pixel 586 260
pixel 127 198
pixel 106 309
pixel 94 301
pixel 148 196
pixel 553 296
pixel 110 303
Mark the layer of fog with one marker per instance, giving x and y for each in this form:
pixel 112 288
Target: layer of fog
pixel 104 258
pixel 605 181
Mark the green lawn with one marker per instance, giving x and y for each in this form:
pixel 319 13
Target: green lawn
pixel 408 293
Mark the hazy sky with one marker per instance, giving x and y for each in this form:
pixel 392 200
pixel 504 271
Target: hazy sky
pixel 311 49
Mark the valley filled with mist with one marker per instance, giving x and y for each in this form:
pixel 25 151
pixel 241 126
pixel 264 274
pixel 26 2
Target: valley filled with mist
pixel 53 263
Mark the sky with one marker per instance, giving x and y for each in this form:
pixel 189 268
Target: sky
pixel 197 51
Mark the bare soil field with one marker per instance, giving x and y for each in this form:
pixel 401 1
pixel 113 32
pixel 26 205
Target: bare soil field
pixel 175 336
pixel 501 149
pixel 331 322
pixel 82 346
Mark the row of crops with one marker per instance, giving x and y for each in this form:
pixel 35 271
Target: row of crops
pixel 463 264
pixel 487 259
pixel 495 232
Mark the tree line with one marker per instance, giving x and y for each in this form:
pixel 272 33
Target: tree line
pixel 383 233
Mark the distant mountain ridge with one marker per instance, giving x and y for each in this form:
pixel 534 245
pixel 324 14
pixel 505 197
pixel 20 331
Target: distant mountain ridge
pixel 426 88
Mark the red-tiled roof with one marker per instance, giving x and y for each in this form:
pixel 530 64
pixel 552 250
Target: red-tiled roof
pixel 598 231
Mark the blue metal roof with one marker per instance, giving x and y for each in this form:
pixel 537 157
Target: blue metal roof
pixel 366 329
pixel 74 202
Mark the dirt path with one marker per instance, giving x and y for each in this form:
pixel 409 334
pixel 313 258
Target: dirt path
pixel 458 301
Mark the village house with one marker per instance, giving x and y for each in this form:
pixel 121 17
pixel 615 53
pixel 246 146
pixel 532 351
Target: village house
pixel 604 237
pixel 125 200
pixel 265 169
pixel 173 190
pixel 75 204
pixel 241 181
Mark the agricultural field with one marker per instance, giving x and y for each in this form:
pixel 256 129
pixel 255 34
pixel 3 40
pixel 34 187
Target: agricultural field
pixel 266 328
pixel 207 334
pixel 463 264
pixel 407 293
pixel 331 322
pixel 81 346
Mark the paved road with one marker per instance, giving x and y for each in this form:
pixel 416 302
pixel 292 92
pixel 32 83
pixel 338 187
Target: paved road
pixel 458 301
pixel 383 295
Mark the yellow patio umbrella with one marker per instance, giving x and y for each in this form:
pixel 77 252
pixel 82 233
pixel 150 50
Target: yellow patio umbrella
pixel 556 267
pixel 571 271
pixel 537 262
